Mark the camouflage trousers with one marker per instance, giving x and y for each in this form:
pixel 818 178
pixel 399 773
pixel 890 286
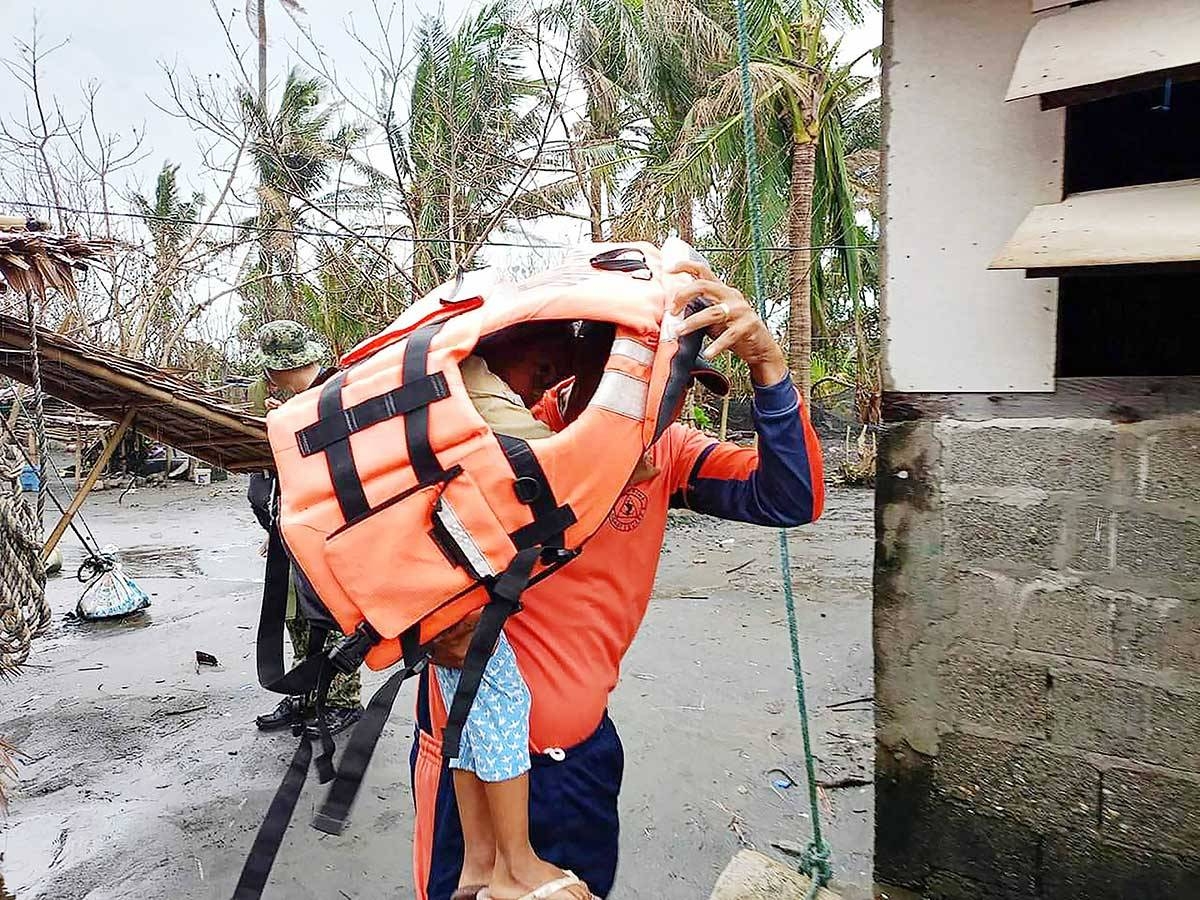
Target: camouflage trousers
pixel 346 690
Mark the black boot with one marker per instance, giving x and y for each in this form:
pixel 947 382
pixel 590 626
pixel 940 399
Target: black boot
pixel 289 712
pixel 337 718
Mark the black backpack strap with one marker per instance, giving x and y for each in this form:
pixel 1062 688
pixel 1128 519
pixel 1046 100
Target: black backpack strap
pixel 506 600
pixel 311 676
pixel 269 653
pixel 257 869
pixel 335 811
pixel 325 678
pixel 534 490
pixel 416 424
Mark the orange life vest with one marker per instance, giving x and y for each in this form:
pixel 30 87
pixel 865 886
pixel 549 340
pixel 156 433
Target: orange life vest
pixel 400 505
pixel 403 512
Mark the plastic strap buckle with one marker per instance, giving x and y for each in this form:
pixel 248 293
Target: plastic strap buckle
pixel 527 489
pixel 349 653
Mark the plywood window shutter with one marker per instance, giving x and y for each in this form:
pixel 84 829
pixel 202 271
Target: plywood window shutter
pixel 1153 224
pixel 1107 47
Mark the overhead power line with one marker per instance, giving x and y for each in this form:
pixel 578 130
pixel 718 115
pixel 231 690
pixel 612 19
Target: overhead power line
pixel 391 237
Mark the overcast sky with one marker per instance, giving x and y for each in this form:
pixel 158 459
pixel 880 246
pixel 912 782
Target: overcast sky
pixel 124 44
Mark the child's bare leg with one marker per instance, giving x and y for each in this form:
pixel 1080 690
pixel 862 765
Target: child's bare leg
pixel 479 843
pixel 518 868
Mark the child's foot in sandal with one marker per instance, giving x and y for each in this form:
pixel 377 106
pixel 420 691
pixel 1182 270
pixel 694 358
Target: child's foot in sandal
pixel 558 885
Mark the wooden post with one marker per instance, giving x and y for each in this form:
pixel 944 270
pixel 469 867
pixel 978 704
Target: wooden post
pixel 86 488
pixel 16 408
pixel 78 452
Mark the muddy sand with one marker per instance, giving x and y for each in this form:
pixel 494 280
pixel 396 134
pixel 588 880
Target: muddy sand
pixel 148 779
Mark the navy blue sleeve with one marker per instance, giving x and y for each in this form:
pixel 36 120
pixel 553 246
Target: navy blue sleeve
pixel 779 483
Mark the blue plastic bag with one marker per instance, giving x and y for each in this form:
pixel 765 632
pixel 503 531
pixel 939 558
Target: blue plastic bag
pixel 30 481
pixel 112 593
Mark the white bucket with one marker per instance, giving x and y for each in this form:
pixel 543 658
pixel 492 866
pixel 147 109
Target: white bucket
pixel 204 476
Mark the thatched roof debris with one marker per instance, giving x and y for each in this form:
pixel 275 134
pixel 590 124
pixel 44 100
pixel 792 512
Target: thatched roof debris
pixel 39 261
pixel 171 410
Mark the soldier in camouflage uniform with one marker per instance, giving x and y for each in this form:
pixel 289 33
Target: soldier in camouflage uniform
pixel 290 361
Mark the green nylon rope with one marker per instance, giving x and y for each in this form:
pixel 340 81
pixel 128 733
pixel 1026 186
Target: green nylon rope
pixel 815 860
pixel 816 857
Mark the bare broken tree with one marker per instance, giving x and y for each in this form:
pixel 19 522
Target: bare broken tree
pixel 74 171
pixel 256 18
pixel 62 168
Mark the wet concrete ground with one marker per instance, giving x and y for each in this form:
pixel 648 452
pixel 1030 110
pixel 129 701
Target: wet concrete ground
pixel 148 778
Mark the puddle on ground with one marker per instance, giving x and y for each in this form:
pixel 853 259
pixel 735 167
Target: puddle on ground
pixel 131 622
pixel 155 561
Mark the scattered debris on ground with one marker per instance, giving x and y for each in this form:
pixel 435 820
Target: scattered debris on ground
pixel 145 777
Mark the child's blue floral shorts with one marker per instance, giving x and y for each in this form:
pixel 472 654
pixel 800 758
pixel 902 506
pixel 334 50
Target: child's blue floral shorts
pixel 495 739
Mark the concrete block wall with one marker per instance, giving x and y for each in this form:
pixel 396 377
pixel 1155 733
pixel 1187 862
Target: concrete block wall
pixel 1037 646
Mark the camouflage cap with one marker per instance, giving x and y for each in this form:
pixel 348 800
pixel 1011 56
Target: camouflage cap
pixel 284 344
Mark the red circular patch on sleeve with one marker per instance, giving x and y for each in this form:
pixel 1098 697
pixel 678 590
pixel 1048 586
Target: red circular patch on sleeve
pixel 629 511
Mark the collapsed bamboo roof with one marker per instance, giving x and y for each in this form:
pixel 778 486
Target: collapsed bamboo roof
pixel 40 261
pixel 170 409
pixel 64 423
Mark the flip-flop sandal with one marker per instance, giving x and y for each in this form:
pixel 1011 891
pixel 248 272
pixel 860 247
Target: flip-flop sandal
pixel 550 888
pixel 568 879
pixel 470 892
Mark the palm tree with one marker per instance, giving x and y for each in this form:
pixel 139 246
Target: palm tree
pixel 842 200
pixel 685 43
pixel 641 64
pixel 172 222
pixel 294 151
pixel 473 114
pixel 609 48
pixel 800 93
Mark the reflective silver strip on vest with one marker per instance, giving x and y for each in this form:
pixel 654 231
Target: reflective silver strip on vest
pixel 633 350
pixel 449 519
pixel 622 394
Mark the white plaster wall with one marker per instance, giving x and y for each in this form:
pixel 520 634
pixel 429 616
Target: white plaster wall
pixel 961 170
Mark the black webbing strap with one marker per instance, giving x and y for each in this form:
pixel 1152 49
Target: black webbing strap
pixel 411 646
pixel 257 869
pixel 269 652
pixel 324 761
pixel 411 395
pixel 416 424
pixel 546 531
pixel 533 489
pixel 335 811
pixel 316 647
pixel 506 600
pixel 330 434
pixel 619 260
pixel 308 677
pixel 346 484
